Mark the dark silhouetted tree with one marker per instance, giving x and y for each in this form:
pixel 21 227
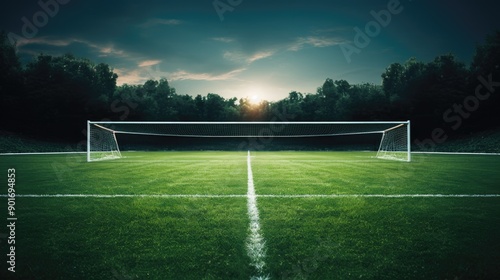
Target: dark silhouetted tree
pixel 11 84
pixel 65 91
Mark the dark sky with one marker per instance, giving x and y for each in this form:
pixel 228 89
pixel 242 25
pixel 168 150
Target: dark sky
pixel 259 49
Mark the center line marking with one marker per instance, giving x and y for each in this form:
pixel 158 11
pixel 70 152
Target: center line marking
pixel 256 246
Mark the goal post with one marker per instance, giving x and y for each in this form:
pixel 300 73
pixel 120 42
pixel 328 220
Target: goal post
pixel 102 141
pixel 395 143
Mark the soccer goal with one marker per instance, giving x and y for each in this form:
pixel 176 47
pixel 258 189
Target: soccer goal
pixel 103 143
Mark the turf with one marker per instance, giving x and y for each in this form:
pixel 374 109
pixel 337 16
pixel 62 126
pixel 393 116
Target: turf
pixel 204 238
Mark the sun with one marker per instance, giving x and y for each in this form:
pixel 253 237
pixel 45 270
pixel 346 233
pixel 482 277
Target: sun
pixel 254 99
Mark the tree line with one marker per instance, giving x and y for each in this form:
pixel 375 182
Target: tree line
pixel 54 96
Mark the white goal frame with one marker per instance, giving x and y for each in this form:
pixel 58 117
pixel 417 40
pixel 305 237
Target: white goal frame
pixel 402 126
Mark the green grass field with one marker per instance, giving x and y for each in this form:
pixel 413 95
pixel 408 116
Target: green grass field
pixel 323 215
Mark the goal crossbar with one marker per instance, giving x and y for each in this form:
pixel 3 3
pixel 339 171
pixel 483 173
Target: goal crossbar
pixel 245 136
pixel 247 129
pixel 257 122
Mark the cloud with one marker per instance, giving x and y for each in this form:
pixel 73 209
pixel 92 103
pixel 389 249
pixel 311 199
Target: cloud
pixel 159 21
pixel 244 58
pixel 317 42
pixel 185 75
pixel 103 50
pixel 296 45
pixel 45 41
pixel 149 63
pixel 150 70
pixel 223 39
pixel 260 55
pixel 139 75
pixel 234 56
pixel 108 50
pixel 130 77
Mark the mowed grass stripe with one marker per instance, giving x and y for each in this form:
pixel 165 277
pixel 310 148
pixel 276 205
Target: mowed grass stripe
pixel 326 215
pixel 434 218
pixel 294 173
pixel 130 238
pixel 359 238
pixel 168 173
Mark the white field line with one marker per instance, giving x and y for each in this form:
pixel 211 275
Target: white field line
pixel 458 153
pixel 256 196
pixel 41 153
pixel 256 246
pixel 129 195
pixel 380 196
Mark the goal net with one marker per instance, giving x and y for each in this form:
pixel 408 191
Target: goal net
pixel 103 137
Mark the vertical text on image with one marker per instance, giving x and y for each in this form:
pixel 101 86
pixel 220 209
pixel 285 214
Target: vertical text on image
pixel 11 220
